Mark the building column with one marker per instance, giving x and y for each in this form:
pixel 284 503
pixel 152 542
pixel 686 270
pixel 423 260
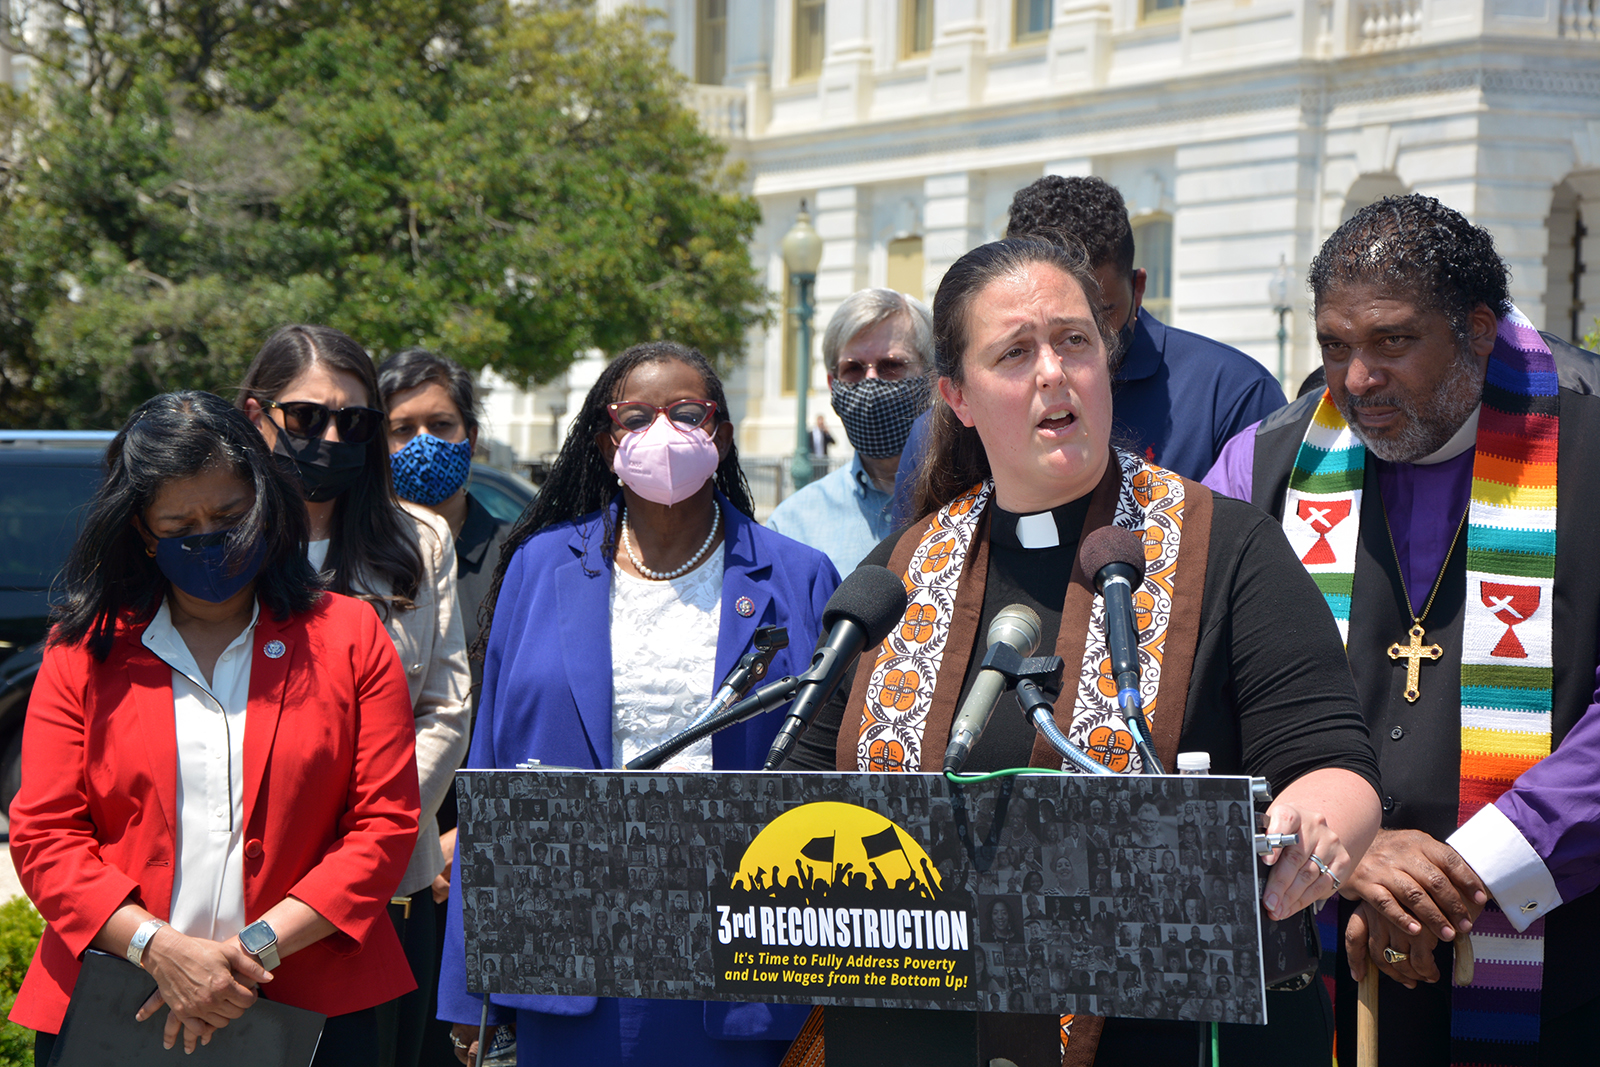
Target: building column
pixel 952 214
pixel 750 59
pixel 956 69
pixel 842 220
pixel 845 86
pixel 1505 183
pixel 1080 44
pixel 1239 205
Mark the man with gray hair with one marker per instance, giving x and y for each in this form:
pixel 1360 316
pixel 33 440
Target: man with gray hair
pixel 876 350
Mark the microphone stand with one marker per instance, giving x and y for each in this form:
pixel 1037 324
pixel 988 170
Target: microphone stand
pixel 1037 707
pixel 1023 676
pixel 779 692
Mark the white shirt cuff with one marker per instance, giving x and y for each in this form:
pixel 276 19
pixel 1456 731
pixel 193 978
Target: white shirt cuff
pixel 1496 850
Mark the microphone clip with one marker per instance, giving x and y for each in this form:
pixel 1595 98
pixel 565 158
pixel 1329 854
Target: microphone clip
pixel 1041 670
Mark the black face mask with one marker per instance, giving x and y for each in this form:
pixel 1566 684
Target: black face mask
pixel 325 468
pixel 1125 335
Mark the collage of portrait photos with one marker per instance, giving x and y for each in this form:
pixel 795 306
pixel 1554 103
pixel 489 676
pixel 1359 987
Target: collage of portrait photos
pixel 1117 896
pixel 1126 896
pixel 600 880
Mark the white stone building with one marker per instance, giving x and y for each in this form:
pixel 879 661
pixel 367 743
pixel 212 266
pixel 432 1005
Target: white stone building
pixel 1239 131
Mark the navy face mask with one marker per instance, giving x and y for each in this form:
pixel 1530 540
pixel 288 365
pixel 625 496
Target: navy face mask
pixel 198 565
pixel 428 471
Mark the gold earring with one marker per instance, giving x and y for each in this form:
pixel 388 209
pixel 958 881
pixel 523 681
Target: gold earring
pixel 150 551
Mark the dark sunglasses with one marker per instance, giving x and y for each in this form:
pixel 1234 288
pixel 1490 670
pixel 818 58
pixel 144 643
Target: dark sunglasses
pixel 635 415
pixel 304 418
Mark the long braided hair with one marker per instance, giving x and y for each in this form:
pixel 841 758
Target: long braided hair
pixel 582 482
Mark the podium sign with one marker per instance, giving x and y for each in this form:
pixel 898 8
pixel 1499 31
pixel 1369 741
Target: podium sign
pixel 1124 896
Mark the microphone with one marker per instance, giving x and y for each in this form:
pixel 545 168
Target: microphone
pixel 858 616
pixel 1115 559
pixel 1017 626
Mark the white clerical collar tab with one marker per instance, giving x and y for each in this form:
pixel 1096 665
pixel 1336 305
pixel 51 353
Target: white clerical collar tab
pixel 1464 438
pixel 1037 531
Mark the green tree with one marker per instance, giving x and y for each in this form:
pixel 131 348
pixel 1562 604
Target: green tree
pixel 20 927
pixel 509 186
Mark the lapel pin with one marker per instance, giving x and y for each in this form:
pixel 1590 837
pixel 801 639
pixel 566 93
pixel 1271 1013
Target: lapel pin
pixel 745 606
pixel 274 649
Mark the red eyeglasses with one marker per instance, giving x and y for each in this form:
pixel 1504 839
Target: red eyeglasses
pixel 685 415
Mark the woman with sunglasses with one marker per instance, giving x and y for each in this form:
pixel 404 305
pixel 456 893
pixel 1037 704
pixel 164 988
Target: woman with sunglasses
pixel 312 392
pixel 616 613
pixel 218 774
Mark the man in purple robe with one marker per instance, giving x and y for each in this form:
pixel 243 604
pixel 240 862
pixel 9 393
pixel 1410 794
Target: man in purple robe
pixel 1409 300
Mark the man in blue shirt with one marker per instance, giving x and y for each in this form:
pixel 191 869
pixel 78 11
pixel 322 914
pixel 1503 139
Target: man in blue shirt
pixel 876 350
pixel 1178 397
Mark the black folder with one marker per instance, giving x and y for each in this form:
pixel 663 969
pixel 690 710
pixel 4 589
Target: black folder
pixel 99 1027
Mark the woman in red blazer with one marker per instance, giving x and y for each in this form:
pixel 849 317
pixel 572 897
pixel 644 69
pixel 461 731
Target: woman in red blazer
pixel 218 777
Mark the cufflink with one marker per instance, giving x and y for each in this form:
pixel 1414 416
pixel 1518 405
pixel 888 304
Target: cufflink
pixel 1532 905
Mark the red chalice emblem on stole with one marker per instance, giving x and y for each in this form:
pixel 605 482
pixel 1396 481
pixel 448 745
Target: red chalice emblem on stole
pixel 1322 516
pixel 1511 604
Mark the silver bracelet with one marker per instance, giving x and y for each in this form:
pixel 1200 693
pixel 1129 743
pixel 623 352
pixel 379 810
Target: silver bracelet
pixel 141 940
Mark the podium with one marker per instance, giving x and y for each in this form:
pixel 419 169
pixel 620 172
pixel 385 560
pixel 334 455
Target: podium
pixel 1041 893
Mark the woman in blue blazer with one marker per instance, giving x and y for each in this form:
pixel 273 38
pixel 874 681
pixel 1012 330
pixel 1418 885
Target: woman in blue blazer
pixel 615 616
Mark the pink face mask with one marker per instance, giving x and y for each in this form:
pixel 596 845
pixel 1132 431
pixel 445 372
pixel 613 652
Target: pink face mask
pixel 666 465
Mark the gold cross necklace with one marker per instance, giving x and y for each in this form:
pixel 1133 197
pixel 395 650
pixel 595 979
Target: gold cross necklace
pixel 1415 652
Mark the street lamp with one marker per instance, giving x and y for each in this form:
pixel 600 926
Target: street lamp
pixel 1278 292
pixel 802 254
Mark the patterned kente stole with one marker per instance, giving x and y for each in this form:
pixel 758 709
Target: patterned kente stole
pixel 899 693
pixel 1506 666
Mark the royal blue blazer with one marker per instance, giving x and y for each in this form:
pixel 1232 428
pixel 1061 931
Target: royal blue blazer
pixel 547 696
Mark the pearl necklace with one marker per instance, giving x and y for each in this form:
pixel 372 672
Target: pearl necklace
pixel 694 560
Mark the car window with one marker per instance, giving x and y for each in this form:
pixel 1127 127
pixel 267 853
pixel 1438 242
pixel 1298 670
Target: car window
pixel 40 509
pixel 499 503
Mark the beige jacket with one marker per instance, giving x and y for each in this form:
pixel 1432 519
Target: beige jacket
pixel 433 651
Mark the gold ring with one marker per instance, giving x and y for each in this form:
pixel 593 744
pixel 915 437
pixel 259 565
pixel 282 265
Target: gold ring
pixel 1391 956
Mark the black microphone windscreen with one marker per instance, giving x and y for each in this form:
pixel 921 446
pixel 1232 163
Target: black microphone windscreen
pixel 1112 544
pixel 872 597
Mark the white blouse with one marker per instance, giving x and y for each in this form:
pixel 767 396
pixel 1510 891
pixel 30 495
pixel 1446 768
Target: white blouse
pixel 663 660
pixel 208 881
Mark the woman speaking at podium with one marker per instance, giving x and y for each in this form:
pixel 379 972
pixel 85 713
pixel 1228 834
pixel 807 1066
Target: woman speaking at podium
pixel 1240 656
pixel 616 613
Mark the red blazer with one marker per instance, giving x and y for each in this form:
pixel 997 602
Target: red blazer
pixel 330 802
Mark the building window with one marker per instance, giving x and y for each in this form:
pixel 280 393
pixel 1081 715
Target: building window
pixel 809 37
pixel 711 42
pixel 1152 243
pixel 916 33
pixel 1157 10
pixel 1034 19
pixel 905 266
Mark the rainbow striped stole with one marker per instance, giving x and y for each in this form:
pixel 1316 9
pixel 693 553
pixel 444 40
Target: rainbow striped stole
pixel 1507 667
pixel 1507 670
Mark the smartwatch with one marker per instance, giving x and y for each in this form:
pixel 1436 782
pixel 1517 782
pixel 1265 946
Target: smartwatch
pixel 141 940
pixel 261 942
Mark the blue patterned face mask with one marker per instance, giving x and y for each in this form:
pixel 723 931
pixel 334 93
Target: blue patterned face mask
pixel 428 471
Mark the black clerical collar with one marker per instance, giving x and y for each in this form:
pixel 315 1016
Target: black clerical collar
pixel 1043 530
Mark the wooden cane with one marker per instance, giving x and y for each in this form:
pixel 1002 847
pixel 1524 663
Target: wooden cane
pixel 1367 1005
pixel 1465 961
pixel 1367 1019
